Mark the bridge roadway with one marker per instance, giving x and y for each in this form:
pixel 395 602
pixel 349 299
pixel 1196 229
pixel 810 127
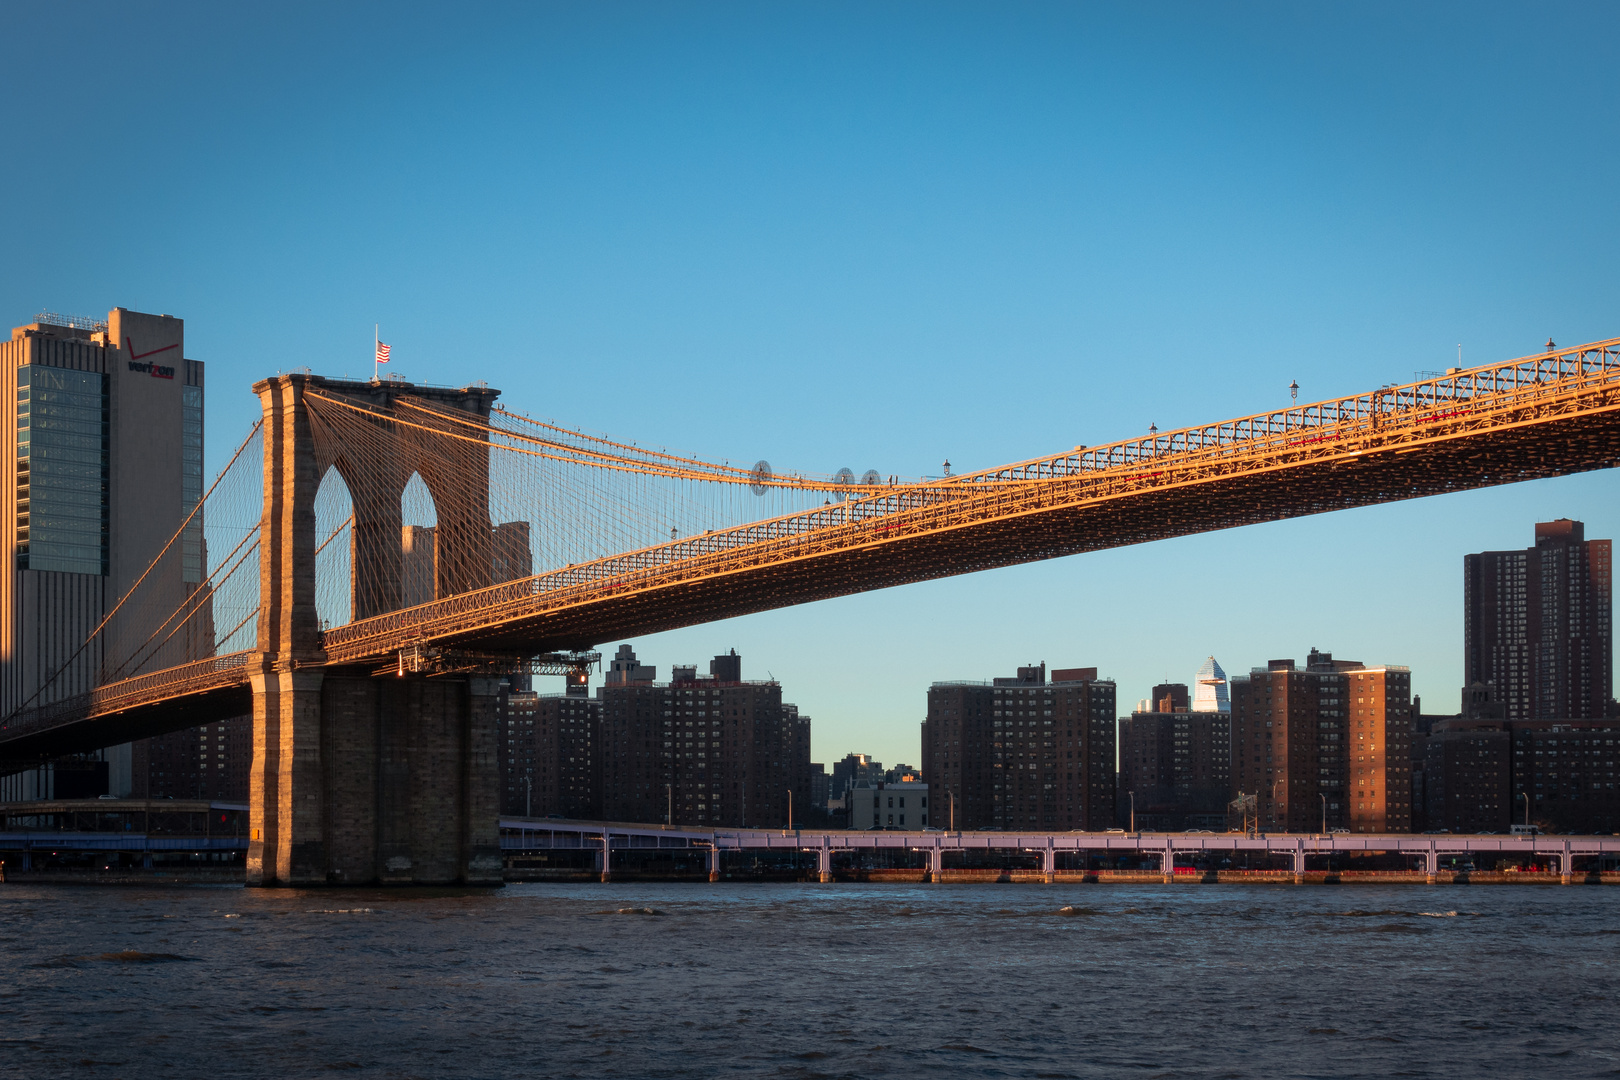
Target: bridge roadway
pixel 1540 416
pixel 534 834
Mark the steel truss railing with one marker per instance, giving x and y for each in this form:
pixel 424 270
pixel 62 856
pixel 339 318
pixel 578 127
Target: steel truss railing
pixel 199 676
pixel 1583 380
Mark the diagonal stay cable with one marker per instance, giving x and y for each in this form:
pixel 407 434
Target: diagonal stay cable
pixel 57 674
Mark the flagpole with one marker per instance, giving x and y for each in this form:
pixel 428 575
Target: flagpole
pixel 376 336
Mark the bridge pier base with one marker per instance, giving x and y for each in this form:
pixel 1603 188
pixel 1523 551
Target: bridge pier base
pixel 363 780
pixel 824 864
pixel 714 864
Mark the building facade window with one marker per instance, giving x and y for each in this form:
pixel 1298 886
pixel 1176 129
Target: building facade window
pixel 62 470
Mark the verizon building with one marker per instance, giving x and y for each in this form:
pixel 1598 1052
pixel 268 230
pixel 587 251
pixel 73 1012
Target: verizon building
pixel 107 443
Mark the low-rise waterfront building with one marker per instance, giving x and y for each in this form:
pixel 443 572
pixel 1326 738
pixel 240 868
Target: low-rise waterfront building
pixel 885 805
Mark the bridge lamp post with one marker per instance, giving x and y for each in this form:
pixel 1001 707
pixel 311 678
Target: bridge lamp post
pixel 1132 794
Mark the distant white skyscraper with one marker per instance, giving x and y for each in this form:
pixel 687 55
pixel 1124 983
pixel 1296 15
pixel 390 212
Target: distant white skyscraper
pixel 1210 694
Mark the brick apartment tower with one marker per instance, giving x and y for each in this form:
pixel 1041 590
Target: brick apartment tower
pixel 1336 733
pixel 1022 753
pixel 1175 760
pixel 716 748
pixel 549 752
pixel 1537 625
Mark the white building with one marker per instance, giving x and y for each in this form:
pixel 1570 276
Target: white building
pixel 1211 695
pixel 882 806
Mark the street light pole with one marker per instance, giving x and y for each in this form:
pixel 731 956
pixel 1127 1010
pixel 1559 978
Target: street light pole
pixel 1324 815
pixel 1526 796
pixel 1132 794
pixel 670 789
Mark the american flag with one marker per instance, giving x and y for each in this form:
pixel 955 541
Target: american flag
pixel 382 352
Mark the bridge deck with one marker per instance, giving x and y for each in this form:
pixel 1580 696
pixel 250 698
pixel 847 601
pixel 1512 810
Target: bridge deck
pixel 1540 416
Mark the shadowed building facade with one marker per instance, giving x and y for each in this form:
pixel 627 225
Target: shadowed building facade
pixel 1537 625
pixel 1022 752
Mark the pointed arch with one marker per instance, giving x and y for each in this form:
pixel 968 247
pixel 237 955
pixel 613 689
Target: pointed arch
pixel 418 542
pixel 334 550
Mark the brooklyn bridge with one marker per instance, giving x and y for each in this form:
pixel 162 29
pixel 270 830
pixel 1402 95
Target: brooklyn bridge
pixel 370 663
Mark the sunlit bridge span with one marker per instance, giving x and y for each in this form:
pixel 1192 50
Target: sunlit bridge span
pixel 536 539
pixel 375 554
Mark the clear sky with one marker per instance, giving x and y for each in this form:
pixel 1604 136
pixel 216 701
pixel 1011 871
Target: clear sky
pixel 873 235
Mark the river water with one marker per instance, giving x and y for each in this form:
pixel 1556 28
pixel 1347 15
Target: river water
pixel 681 980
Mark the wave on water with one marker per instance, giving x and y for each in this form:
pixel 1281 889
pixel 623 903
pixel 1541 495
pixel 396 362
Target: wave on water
pixel 127 956
pixel 630 911
pixel 334 911
pixel 1390 913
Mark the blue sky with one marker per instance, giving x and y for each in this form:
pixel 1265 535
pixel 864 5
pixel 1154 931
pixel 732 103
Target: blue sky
pixel 876 236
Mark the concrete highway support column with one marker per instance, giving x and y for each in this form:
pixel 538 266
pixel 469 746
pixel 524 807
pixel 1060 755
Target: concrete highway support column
pixel 714 863
pixel 1431 866
pixel 1049 865
pixel 936 864
pixel 824 862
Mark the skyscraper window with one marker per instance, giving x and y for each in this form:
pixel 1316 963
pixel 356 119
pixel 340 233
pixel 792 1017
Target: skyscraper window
pixel 61 470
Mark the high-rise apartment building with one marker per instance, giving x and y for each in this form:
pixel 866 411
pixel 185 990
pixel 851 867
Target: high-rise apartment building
pixel 1331 741
pixel 707 750
pixel 1483 775
pixel 1022 753
pixel 1537 625
pixel 208 762
pixel 1467 768
pixel 549 753
pixel 1569 770
pixel 107 438
pixel 1175 760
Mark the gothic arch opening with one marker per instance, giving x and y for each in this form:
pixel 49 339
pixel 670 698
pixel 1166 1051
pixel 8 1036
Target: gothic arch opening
pixel 334 550
pixel 418 543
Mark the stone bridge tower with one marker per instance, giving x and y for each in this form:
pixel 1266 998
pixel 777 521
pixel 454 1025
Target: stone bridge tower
pixel 360 777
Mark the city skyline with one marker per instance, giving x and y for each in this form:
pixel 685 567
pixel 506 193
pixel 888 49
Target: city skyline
pixel 1000 235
